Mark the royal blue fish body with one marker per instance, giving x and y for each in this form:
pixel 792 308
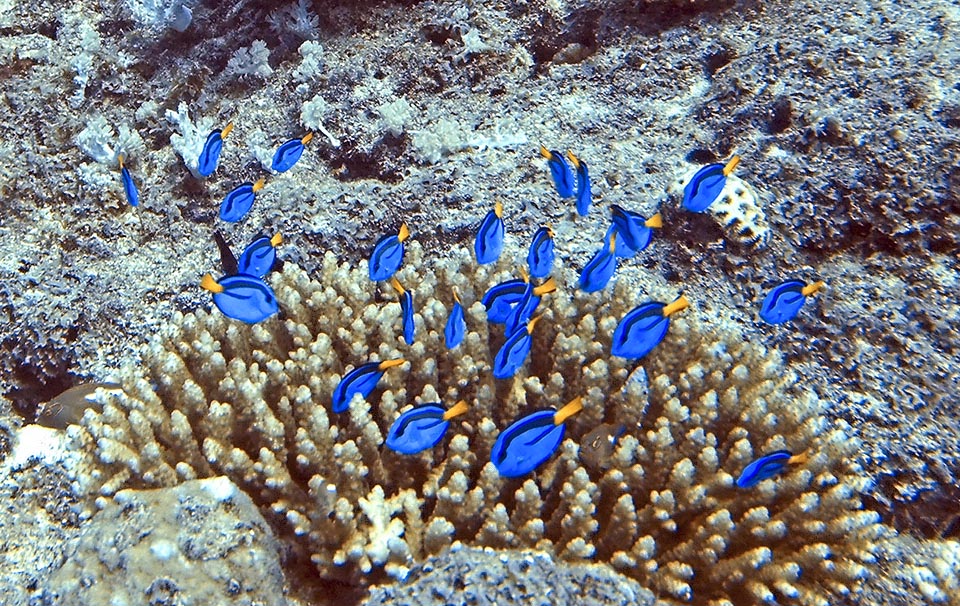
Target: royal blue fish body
pixel 287 155
pixel 386 258
pixel 361 380
pixel 501 298
pixel 631 228
pixel 406 309
pixel 258 258
pixel 562 176
pixel 129 187
pixel 526 444
pixel 621 249
pixel 237 203
pixel 210 154
pixel 583 195
pixel 512 354
pixel 246 298
pixel 764 468
pixel 541 256
pixel 417 429
pixel 597 272
pixel 489 242
pixel 640 331
pixel 704 188
pixel 783 302
pixel 456 327
pixel 522 311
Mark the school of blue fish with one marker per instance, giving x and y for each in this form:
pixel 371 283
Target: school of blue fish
pixel 242 293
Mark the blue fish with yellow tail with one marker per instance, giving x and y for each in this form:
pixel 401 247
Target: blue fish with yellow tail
pixel 489 242
pixel 456 327
pixel 529 441
pixel 129 187
pixel 406 310
pixel 634 231
pixel 288 153
pixel 242 297
pixel 644 327
pixel 259 257
pixel 768 466
pixel 559 171
pixel 240 200
pixel 541 256
pixel 387 255
pixel 523 310
pixel 583 195
pixel 361 380
pixel 422 427
pixel 706 184
pixel 785 300
pixel 501 298
pixel 514 351
pixel 210 154
pixel 597 272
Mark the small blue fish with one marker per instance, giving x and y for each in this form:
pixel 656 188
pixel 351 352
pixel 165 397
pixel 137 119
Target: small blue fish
pixel 387 254
pixel 456 327
pixel 531 440
pixel 514 351
pixel 501 298
pixel 523 311
pixel 707 183
pixel 288 153
pixel 406 309
pixel 634 231
pixel 260 256
pixel 361 380
pixel 597 272
pixel 583 195
pixel 129 187
pixel 767 466
pixel 210 154
pixel 785 300
pixel 239 201
pixel 422 427
pixel 241 297
pixel 541 255
pixel 560 171
pixel 489 243
pixel 643 328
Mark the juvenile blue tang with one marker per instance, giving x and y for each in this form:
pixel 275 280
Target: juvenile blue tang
pixel 634 231
pixel 210 154
pixel 387 255
pixel 489 242
pixel 361 380
pixel 523 310
pixel 406 310
pixel 288 153
pixel 531 440
pixel 456 327
pixel 707 183
pixel 541 256
pixel 767 466
pixel 129 187
pixel 514 351
pixel 241 297
pixel 239 201
pixel 644 327
pixel 785 300
pixel 259 257
pixel 559 171
pixel 583 194
pixel 597 272
pixel 422 427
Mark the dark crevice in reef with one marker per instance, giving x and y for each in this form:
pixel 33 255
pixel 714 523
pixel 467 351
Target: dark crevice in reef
pixel 931 514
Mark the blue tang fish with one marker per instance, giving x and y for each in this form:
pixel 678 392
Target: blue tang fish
pixel 523 310
pixel 541 256
pixel 387 254
pixel 241 297
pixel 259 257
pixel 597 272
pixel 514 351
pixel 531 440
pixel 129 187
pixel 361 380
pixel 560 171
pixel 288 153
pixel 239 201
pixel 456 327
pixel 643 328
pixel 767 466
pixel 422 427
pixel 707 183
pixel 501 298
pixel 583 194
pixel 634 231
pixel 489 242
pixel 406 310
pixel 210 154
pixel 785 300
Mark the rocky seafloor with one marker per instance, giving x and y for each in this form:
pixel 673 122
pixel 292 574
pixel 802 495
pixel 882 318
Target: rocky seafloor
pixel 846 117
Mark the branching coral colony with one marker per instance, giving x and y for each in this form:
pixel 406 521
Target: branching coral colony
pixel 252 402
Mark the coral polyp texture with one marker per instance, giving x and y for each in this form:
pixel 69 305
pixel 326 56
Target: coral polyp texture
pixel 252 403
